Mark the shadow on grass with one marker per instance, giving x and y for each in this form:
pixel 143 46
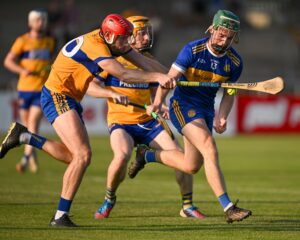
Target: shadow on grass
pixel 144 202
pixel 264 226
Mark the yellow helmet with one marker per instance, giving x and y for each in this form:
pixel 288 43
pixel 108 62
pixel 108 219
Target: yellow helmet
pixel 140 22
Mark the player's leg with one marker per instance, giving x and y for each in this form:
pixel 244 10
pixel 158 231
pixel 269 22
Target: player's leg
pixel 23 114
pixel 199 135
pixel 34 118
pixel 122 145
pixel 18 135
pixel 71 130
pixel 185 181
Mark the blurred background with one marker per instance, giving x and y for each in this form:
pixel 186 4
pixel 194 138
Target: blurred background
pixel 269 43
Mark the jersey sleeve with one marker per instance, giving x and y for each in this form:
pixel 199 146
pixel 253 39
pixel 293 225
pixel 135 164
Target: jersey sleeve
pixel 236 73
pixel 184 59
pixel 17 47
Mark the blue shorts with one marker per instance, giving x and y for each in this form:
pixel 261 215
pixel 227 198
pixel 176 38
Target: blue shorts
pixel 142 133
pixel 54 104
pixel 28 99
pixel 183 113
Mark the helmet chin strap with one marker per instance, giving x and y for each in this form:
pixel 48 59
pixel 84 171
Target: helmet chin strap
pixel 219 49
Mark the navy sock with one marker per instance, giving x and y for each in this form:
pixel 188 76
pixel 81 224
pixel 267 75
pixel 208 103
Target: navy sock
pixel 150 156
pixel 37 141
pixel 224 200
pixel 64 205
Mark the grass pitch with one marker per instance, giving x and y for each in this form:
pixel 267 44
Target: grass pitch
pixel 262 171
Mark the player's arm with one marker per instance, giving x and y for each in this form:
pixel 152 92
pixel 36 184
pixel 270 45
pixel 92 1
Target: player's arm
pixel 161 92
pixel 10 62
pixel 225 107
pixel 97 90
pixel 146 63
pixel 116 69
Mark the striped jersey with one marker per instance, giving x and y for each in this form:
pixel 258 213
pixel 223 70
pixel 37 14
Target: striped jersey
pixel 34 55
pixel 197 63
pixel 77 64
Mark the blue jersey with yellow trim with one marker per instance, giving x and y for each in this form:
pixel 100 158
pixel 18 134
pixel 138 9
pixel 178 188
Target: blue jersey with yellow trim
pixel 197 63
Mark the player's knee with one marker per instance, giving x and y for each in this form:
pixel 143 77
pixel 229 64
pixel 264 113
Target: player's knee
pixel 84 157
pixel 121 161
pixel 192 169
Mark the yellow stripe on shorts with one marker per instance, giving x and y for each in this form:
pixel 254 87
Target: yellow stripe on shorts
pixel 60 102
pixel 178 113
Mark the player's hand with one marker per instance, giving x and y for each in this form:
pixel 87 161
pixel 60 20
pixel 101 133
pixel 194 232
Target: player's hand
pixel 220 125
pixel 120 98
pixel 152 108
pixel 166 81
pixel 165 112
pixel 26 72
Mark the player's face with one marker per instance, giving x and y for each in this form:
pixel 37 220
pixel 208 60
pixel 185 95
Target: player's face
pixel 38 24
pixel 142 39
pixel 121 44
pixel 221 39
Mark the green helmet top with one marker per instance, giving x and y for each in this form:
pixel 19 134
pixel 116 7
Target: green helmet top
pixel 227 19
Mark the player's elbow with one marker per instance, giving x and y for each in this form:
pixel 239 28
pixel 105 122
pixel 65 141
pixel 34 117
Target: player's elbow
pixel 6 63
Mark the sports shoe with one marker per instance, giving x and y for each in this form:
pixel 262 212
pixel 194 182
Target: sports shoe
pixel 104 209
pixel 12 138
pixel 191 212
pixel 139 162
pixel 235 213
pixel 63 221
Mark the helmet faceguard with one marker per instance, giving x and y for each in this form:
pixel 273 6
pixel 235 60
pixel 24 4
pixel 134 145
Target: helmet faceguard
pixel 142 26
pixel 225 25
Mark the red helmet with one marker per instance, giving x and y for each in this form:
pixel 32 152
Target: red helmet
pixel 114 25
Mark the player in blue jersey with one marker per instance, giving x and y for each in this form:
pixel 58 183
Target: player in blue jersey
pixel 192 112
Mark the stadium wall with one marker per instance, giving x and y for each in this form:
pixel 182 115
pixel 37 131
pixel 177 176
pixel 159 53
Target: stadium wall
pixel 250 115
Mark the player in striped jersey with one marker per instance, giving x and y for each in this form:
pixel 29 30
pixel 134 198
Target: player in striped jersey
pixel 192 109
pixel 30 56
pixel 129 125
pixel 78 63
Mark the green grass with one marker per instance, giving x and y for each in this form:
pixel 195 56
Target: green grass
pixel 262 171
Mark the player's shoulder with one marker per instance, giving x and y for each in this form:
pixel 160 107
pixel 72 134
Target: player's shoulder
pixel 94 38
pixel 93 35
pixel 147 54
pixel 234 56
pixel 197 46
pixel 23 37
pixel 49 37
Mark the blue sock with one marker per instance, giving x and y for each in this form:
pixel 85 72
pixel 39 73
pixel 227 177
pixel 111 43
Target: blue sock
pixel 64 205
pixel 150 156
pixel 37 141
pixel 224 200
